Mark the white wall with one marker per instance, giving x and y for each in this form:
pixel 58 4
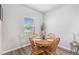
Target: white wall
pixel 13 27
pixel 0 35
pixel 63 20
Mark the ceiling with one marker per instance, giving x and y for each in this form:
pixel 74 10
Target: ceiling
pixel 42 7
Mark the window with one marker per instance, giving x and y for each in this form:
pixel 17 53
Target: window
pixel 28 26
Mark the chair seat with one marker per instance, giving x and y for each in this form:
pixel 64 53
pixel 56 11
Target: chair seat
pixel 37 51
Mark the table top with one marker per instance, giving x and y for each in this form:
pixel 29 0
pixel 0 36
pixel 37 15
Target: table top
pixel 44 42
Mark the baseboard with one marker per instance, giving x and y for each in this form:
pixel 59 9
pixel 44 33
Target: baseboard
pixel 65 49
pixel 14 49
pixel 62 47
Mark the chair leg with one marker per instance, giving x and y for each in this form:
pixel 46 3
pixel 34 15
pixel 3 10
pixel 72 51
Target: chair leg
pixel 77 51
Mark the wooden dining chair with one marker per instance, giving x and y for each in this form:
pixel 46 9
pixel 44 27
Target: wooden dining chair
pixel 33 34
pixel 51 35
pixel 35 50
pixel 52 48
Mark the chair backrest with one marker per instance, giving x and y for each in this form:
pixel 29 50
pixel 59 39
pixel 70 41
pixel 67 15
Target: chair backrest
pixel 50 35
pixel 54 45
pixel 51 46
pixel 32 43
pixel 33 34
pixel 56 42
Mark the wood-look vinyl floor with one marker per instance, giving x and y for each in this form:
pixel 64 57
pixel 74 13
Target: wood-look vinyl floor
pixel 27 51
